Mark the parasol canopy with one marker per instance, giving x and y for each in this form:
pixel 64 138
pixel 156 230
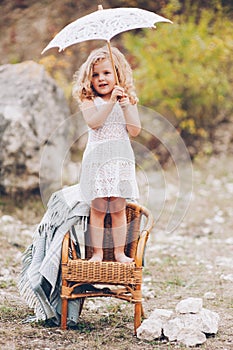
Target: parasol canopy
pixel 104 24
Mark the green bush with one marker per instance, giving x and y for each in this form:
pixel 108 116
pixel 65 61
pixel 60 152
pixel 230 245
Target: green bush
pixel 184 70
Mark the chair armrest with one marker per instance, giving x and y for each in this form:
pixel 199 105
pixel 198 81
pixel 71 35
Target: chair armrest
pixel 65 248
pixel 141 248
pixel 144 234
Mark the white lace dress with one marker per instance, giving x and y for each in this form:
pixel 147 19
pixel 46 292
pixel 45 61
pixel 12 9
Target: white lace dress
pixel 108 165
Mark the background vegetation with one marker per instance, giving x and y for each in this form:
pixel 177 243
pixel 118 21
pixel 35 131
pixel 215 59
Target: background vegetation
pixel 184 71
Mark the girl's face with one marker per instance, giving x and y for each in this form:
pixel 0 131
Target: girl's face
pixel 103 79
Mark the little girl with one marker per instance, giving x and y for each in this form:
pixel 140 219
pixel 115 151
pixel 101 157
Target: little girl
pixel 108 166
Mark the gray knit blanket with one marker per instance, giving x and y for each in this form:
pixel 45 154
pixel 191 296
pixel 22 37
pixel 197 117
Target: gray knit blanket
pixel 40 281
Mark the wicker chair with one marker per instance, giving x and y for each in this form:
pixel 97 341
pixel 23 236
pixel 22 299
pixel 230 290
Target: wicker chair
pixel 122 281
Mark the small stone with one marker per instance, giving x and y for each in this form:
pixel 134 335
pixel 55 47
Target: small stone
pixel 228 277
pixel 191 337
pixel 219 219
pixel 210 295
pixel 229 241
pixel 189 305
pixel 224 261
pixel 206 230
pixel 7 219
pixel 150 294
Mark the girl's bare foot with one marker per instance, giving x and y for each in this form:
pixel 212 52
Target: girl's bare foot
pixel 122 258
pixel 96 257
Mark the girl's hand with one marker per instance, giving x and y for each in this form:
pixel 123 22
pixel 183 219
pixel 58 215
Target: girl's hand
pixel 124 102
pixel 117 93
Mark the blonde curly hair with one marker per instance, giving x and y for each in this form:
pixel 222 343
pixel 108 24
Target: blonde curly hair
pixel 82 87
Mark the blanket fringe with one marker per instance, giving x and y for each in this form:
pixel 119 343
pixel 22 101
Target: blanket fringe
pixel 24 285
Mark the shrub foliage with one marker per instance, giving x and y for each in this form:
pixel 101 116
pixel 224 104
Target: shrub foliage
pixel 184 70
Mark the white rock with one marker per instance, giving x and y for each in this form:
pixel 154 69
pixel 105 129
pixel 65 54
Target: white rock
pixel 30 114
pixel 228 277
pixel 206 230
pixel 191 321
pixel 172 328
pixel 229 187
pixel 7 219
pixel 205 321
pixel 149 294
pixel 210 295
pixel 189 305
pixel 94 305
pixel 149 330
pixel 191 337
pixel 219 219
pixel 188 328
pixel 210 321
pixel 229 241
pixel 147 279
pixel 161 314
pixel 224 261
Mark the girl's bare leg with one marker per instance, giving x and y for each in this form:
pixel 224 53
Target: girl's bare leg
pixel 119 226
pixel 97 215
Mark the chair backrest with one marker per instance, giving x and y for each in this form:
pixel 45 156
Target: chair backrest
pixel 133 215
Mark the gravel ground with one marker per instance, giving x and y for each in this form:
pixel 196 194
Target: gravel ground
pixel 191 261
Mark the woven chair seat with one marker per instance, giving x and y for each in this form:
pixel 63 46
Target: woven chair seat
pixel 106 272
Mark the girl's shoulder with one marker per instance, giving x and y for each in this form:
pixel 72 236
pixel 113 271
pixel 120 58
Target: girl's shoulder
pixel 96 101
pixel 86 103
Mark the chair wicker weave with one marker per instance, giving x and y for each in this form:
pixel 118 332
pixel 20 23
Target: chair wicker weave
pixel 123 281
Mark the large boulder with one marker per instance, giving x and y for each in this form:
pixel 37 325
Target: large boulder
pixel 33 129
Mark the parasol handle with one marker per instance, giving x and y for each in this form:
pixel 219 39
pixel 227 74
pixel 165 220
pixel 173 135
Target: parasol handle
pixel 100 8
pixel 112 61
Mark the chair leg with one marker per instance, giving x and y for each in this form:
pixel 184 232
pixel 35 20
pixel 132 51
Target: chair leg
pixel 81 305
pixel 64 312
pixel 137 316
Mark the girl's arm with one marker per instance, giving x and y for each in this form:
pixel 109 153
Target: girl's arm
pixel 131 115
pixel 94 117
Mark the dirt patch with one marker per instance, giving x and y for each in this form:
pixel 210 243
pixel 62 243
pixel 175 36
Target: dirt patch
pixel 191 261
